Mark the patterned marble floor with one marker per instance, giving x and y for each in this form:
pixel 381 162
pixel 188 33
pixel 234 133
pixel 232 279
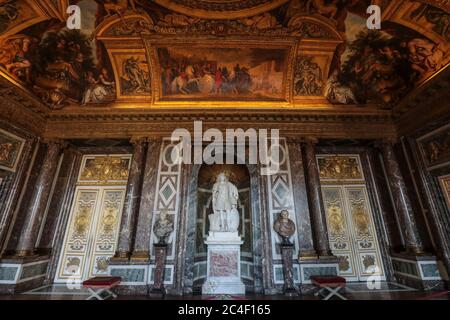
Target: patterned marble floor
pixel 354 291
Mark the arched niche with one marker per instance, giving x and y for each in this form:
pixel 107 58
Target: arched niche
pixel 198 178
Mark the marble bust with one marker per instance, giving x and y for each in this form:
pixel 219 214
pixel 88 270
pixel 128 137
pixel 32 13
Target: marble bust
pixel 225 198
pixel 284 226
pixel 163 227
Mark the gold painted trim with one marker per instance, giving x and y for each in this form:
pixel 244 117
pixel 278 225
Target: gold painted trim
pixel 445 185
pixel 221 15
pixel 105 25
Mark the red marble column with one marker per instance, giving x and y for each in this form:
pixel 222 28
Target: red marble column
pixel 38 202
pixel 318 218
pixel 402 203
pixel 304 230
pixel 124 246
pixel 141 249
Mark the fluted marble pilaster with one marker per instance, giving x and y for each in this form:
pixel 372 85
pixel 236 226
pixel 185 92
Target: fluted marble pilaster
pixel 402 203
pixel 36 207
pixel 132 197
pixel 318 218
pixel 141 249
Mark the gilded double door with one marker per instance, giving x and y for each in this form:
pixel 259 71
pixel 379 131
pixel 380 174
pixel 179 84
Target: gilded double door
pixel 351 228
pixel 92 232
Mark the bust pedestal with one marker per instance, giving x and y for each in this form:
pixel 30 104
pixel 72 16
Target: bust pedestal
pixel 224 264
pixel 158 290
pixel 288 268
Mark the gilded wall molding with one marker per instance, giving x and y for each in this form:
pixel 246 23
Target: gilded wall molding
pixel 221 9
pixel 442 4
pixel 163 125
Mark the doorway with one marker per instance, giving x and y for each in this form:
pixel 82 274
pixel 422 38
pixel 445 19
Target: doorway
pixel 92 230
pixel 351 228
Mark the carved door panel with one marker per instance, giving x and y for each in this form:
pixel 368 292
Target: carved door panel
pixel 351 229
pixel 339 231
pixel 367 255
pixel 76 245
pixel 92 231
pixel 106 233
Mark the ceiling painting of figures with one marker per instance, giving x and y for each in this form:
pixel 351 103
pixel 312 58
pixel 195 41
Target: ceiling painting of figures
pixel 332 59
pixel 222 73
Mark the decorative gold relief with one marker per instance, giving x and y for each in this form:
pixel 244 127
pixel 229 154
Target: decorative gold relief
pixel 339 167
pixel 104 169
pixel 73 265
pixel 5 151
pixel 82 220
pixel 344 264
pixel 360 218
pixel 18 15
pixel 368 262
pixel 335 220
pixel 109 220
pixel 10 150
pixel 102 264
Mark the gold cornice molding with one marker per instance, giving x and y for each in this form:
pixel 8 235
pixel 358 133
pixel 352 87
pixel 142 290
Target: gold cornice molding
pixel 442 4
pixel 221 15
pixel 13 90
pixel 224 114
pixel 426 104
pixel 14 113
pixel 163 126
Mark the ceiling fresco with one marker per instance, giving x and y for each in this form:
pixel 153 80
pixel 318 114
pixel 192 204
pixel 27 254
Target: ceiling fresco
pixel 298 53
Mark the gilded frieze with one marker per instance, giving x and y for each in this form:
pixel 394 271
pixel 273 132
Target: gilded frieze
pixel 339 167
pixel 105 169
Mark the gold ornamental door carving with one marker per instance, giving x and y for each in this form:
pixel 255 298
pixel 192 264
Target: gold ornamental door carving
pixel 351 229
pixel 92 231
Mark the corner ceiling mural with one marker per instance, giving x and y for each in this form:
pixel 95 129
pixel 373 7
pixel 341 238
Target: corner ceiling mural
pixel 173 52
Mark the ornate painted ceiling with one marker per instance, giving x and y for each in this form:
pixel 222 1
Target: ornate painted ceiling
pixel 221 53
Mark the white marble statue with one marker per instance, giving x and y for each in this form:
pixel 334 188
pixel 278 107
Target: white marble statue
pixel 225 200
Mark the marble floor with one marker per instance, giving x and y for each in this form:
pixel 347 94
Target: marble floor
pixel 354 291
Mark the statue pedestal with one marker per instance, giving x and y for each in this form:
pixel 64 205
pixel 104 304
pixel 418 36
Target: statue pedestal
pixel 224 264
